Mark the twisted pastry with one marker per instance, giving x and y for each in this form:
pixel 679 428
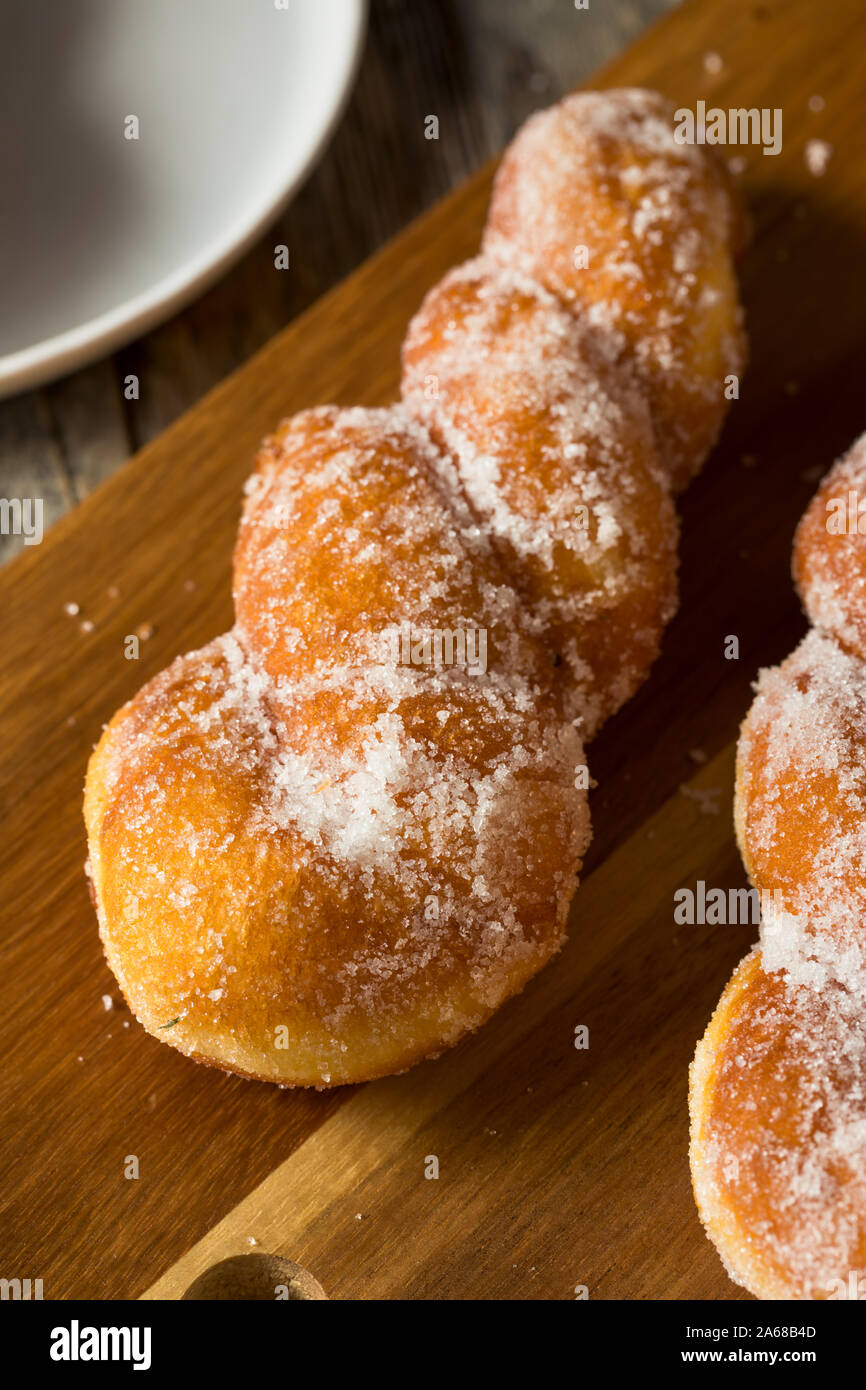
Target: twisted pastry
pixel 322 848
pixel 778 1085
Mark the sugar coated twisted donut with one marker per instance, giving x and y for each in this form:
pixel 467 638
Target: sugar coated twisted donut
pixel 778 1086
pixel 334 840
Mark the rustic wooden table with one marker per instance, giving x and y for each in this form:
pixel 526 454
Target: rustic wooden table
pixel 480 65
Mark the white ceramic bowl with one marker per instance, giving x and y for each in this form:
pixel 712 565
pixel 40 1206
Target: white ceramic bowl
pixel 103 236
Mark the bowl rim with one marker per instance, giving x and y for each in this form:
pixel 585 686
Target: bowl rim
pixel 75 347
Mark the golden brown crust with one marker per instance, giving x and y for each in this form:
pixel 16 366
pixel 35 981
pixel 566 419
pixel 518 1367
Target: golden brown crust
pixel 324 872
pixel 778 1086
pixel 554 448
pixel 801 812
pixel 597 201
pixel 778 1146
pixel 830 553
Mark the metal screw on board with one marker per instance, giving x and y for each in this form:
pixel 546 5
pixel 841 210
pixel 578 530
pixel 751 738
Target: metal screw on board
pixel 259 1278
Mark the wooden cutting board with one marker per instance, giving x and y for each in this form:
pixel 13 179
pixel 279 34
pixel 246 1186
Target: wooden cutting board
pixel 559 1167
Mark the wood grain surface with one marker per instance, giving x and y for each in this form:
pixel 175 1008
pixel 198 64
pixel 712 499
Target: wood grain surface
pixel 480 65
pixel 558 1167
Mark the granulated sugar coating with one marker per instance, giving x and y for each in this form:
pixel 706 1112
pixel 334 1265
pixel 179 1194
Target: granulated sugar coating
pixel 315 862
pixel 778 1085
pixel 801 811
pixel 554 447
pixel 356 527
pixel 778 1151
pixel 830 552
pixel 324 909
pixel 336 839
pixel 597 201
